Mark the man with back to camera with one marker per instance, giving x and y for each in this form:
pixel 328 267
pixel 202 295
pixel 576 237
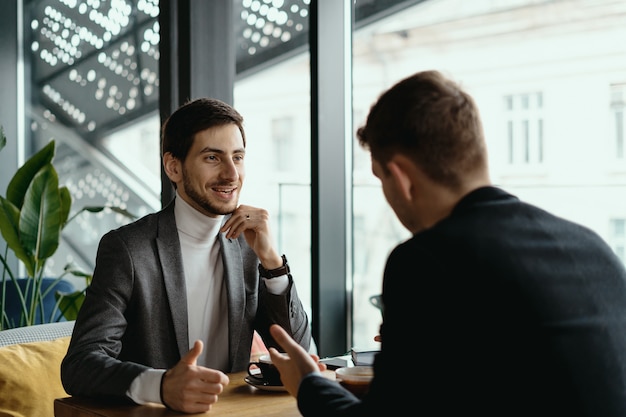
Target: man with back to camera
pixel 177 295
pixel 493 307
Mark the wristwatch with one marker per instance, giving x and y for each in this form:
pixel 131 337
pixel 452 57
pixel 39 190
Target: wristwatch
pixel 273 273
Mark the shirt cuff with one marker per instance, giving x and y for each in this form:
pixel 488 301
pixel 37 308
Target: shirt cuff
pixel 277 285
pixel 146 387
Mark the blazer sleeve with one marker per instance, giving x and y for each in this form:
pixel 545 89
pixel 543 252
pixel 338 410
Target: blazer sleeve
pixel 287 311
pixel 91 366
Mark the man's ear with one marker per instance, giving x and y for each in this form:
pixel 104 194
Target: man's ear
pixel 172 167
pixel 400 169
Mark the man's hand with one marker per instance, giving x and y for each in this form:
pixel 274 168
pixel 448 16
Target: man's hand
pixel 190 388
pixel 254 223
pixel 296 364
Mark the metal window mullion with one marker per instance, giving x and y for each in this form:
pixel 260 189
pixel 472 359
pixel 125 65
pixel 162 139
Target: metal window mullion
pixel 331 119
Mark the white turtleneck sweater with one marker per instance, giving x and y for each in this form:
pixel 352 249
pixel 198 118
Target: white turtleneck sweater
pixel 204 278
pixel 207 306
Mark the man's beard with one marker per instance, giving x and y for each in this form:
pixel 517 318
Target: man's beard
pixel 203 202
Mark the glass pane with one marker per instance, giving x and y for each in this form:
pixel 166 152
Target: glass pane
pixel 514 58
pixel 275 104
pixel 93 72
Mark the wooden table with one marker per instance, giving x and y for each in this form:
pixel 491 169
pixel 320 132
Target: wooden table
pixel 238 399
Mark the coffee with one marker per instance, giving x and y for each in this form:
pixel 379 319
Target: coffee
pixel 355 379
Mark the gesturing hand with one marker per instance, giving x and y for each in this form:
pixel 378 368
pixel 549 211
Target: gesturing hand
pixel 190 388
pixel 296 364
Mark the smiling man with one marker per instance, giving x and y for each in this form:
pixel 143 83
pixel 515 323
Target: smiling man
pixel 177 295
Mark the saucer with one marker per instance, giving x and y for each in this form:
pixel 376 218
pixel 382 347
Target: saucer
pixel 263 385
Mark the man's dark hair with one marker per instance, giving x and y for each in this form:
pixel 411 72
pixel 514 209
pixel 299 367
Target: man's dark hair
pixel 430 119
pixel 192 117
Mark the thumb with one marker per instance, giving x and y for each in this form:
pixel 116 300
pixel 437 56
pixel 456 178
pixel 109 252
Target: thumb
pixel 192 356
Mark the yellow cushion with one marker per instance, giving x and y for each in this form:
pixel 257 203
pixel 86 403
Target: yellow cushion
pixel 30 378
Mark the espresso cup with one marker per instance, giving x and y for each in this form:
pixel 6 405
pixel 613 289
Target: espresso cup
pixel 264 371
pixel 355 379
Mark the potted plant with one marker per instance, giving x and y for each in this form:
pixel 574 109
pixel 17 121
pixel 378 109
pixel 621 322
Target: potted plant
pixel 33 213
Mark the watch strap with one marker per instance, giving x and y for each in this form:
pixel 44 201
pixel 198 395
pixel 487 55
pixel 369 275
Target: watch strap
pixel 277 272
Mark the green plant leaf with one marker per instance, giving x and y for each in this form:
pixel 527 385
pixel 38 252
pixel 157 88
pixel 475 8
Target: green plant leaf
pixel 32 217
pixel 76 272
pixel 9 227
pixel 119 210
pixel 40 221
pixel 3 139
pixel 9 221
pixel 70 303
pixel 69 268
pixel 20 182
pixel 98 209
pixel 66 205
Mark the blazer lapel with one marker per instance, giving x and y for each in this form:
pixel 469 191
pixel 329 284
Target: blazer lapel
pixel 235 288
pixel 168 248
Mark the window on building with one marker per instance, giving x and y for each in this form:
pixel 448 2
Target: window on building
pixel 618 237
pixel 618 105
pixel 525 142
pixel 282 138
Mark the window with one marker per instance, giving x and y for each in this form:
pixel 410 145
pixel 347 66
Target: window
pixel 282 139
pixel 92 71
pixel 524 68
pixel 618 237
pixel 521 65
pixel 275 105
pixel 618 105
pixel 524 129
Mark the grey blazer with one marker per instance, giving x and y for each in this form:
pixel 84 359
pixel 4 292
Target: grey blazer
pixel 135 312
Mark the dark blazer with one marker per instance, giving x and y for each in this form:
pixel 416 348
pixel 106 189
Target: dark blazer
pixel 135 311
pixel 501 309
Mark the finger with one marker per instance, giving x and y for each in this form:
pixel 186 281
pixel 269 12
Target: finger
pixel 280 361
pixel 282 337
pixel 321 365
pixel 213 377
pixel 231 221
pixel 237 224
pixel 276 356
pixel 290 346
pixel 192 356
